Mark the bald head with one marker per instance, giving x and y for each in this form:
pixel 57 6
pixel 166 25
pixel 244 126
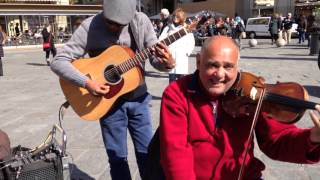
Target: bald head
pixel 220 44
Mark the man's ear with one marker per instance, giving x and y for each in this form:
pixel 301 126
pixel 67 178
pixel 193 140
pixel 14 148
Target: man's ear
pixel 198 57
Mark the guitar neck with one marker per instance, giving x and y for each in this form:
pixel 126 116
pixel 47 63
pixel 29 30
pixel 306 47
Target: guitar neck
pixel 289 101
pixel 142 56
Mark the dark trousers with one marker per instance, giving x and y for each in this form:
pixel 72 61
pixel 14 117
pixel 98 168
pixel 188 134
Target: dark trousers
pixel 53 52
pixel 274 37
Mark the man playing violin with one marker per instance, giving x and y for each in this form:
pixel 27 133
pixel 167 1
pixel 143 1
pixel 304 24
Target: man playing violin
pixel 118 24
pixel 199 140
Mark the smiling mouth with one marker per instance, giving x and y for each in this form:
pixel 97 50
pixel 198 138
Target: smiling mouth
pixel 216 83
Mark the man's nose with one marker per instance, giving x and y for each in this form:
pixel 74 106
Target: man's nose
pixel 220 72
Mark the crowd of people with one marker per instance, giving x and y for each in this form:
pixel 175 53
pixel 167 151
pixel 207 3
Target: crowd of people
pixel 234 27
pixel 214 25
pixel 282 27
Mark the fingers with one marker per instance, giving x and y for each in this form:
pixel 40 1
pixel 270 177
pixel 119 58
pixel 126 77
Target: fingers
pixel 96 88
pixel 101 90
pixel 315 118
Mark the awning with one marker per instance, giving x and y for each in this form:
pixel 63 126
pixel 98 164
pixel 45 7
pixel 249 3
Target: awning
pixel 189 14
pixel 48 9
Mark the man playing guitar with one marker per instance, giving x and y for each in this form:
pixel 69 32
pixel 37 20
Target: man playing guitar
pixel 118 24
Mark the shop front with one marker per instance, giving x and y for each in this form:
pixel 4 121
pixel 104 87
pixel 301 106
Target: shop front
pixel 23 23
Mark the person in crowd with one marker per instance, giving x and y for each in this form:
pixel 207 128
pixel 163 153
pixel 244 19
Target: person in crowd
pixel 233 25
pixel 220 25
pixel 48 37
pixel 182 48
pixel 228 26
pixel 131 111
pixel 274 27
pixel 3 38
pixel 287 25
pixel 61 35
pixel 164 18
pixel 17 30
pixel 302 28
pixel 240 29
pixel 210 27
pixel 310 23
pixel 200 140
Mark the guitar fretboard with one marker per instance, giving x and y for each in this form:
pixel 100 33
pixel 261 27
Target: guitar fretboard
pixel 140 57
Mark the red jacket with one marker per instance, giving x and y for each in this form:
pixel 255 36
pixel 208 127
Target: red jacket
pixel 196 145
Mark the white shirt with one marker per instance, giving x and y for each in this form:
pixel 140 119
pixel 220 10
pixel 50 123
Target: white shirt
pixel 180 49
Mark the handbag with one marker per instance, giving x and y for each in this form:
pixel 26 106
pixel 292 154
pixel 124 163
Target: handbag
pixel 46 45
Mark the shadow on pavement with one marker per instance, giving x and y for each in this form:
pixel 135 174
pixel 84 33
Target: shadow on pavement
pixel 77 174
pixel 313 90
pixel 280 58
pixel 155 74
pixel 36 64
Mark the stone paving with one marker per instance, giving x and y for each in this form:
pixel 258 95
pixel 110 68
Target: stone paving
pixel 30 97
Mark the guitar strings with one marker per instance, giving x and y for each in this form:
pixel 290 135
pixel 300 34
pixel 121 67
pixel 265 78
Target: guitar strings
pixel 138 60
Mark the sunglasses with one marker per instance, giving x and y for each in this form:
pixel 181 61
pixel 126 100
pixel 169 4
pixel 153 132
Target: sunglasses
pixel 112 23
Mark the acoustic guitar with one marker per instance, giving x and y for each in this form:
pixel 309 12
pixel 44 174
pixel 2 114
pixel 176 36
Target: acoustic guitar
pixel 117 67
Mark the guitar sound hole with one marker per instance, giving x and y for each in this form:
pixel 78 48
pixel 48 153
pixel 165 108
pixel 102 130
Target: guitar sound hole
pixel 111 74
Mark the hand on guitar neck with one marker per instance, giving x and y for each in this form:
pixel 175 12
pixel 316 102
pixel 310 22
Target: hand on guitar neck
pixel 96 88
pixel 164 55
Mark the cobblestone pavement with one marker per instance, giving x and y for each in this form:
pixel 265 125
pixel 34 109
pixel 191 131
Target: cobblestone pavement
pixel 30 97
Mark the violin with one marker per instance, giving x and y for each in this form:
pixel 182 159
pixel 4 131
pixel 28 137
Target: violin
pixel 286 102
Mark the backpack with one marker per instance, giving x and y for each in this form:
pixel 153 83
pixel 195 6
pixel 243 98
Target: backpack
pixel 153 169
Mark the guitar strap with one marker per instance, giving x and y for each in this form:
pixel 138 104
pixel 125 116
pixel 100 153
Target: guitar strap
pixel 133 31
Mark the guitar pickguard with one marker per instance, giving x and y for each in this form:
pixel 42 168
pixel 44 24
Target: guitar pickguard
pixel 114 89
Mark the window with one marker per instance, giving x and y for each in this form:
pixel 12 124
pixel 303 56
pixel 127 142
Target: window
pixel 263 21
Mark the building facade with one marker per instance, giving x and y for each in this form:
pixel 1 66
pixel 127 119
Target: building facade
pixel 23 20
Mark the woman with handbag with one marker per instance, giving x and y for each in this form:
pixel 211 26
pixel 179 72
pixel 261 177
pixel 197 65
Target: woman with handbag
pixel 48 43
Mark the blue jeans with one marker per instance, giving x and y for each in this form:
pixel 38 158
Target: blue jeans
pixel 301 36
pixel 134 116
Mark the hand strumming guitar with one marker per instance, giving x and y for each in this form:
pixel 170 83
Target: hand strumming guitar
pixel 164 55
pixel 96 88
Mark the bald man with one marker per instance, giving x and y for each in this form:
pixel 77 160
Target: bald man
pixel 199 140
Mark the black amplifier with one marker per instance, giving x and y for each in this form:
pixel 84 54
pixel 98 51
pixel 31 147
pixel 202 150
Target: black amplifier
pixel 48 161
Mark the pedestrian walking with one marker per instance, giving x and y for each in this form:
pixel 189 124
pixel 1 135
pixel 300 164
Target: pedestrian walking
pixel 48 44
pixel 275 27
pixel 302 28
pixel 287 25
pixel 2 42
